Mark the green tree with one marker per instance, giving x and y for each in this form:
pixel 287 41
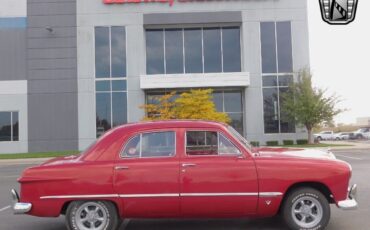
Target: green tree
pixel 308 105
pixel 195 105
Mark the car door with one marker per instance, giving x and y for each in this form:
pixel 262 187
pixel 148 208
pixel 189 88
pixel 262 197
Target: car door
pixel 146 175
pixel 217 178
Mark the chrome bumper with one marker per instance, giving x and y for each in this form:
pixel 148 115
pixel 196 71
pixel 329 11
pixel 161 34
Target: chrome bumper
pixel 350 203
pixel 19 208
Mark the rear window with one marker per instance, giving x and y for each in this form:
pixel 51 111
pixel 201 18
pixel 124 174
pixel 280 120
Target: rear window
pixel 157 144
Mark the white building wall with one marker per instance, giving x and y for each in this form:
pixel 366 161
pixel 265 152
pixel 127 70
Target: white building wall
pixel 95 13
pixel 13 8
pixel 13 98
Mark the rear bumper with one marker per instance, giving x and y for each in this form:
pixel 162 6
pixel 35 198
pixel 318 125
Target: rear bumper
pixel 18 207
pixel 350 203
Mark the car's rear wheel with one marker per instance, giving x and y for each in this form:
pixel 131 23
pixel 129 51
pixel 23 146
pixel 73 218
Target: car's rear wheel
pixel 88 215
pixel 306 209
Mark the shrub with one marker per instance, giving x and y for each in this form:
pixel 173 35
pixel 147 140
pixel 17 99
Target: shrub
pixel 302 142
pixel 288 142
pixel 272 143
pixel 255 143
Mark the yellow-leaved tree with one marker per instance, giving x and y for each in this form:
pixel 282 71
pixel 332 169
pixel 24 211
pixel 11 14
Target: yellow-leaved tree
pixel 195 105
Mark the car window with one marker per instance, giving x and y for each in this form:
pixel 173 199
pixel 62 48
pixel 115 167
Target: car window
pixel 225 147
pixel 158 144
pixel 208 143
pixel 201 143
pixel 132 148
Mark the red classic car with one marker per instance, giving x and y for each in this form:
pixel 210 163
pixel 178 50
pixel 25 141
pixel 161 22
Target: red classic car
pixel 185 169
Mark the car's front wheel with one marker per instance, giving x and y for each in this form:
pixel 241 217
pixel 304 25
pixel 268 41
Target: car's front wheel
pixel 88 215
pixel 306 209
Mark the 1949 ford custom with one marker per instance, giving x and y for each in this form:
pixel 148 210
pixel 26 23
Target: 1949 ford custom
pixel 185 169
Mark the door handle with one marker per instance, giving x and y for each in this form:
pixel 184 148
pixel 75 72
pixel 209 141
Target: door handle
pixel 187 165
pixel 118 168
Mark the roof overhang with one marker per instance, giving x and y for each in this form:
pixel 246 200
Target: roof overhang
pixel 204 80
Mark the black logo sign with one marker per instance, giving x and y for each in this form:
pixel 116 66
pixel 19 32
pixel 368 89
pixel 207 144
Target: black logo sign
pixel 338 12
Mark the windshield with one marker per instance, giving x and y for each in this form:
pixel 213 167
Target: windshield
pixel 237 135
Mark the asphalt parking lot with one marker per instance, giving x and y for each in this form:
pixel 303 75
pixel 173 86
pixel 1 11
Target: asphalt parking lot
pixel 340 220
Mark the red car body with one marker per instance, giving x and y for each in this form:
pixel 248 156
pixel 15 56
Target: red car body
pixel 250 184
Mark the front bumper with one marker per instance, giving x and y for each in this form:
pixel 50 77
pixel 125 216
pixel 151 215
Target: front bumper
pixel 19 208
pixel 350 203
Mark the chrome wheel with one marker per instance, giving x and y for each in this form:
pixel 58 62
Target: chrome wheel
pixel 307 212
pixel 92 215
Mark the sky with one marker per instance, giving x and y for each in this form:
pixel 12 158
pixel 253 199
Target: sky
pixel 340 58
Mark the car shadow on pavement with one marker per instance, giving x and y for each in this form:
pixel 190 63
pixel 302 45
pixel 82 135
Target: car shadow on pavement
pixel 230 224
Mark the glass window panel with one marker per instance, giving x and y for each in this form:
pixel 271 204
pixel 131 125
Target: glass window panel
pixel 268 45
pixel 271 110
pixel 154 52
pixel 15 126
pixel 193 51
pixel 237 122
pixel 119 110
pixel 132 148
pixel 225 147
pixel 102 86
pixel 158 144
pixel 174 51
pixel 120 85
pixel 212 50
pixel 287 125
pixel 153 98
pixel 285 80
pixel 284 44
pixel 201 143
pixel 195 138
pixel 231 49
pixel 102 52
pixel 218 99
pixel 5 126
pixel 118 51
pixel 103 113
pixel 233 101
pixel 269 81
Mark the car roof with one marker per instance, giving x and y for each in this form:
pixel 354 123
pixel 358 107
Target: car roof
pixel 172 124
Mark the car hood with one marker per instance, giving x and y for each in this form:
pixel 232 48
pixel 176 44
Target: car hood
pixel 294 153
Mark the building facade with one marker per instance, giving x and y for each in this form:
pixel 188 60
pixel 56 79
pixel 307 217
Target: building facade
pixel 70 70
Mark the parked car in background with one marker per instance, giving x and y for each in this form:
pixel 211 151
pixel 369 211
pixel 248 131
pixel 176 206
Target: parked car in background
pixel 324 135
pixel 362 133
pixel 341 136
pixel 185 169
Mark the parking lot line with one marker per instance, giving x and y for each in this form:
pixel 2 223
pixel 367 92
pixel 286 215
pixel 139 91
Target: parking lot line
pixel 5 208
pixel 353 158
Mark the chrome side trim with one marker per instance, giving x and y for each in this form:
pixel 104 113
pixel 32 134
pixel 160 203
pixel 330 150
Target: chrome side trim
pixel 262 194
pixel 80 196
pixel 217 194
pixel 270 194
pixel 149 195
